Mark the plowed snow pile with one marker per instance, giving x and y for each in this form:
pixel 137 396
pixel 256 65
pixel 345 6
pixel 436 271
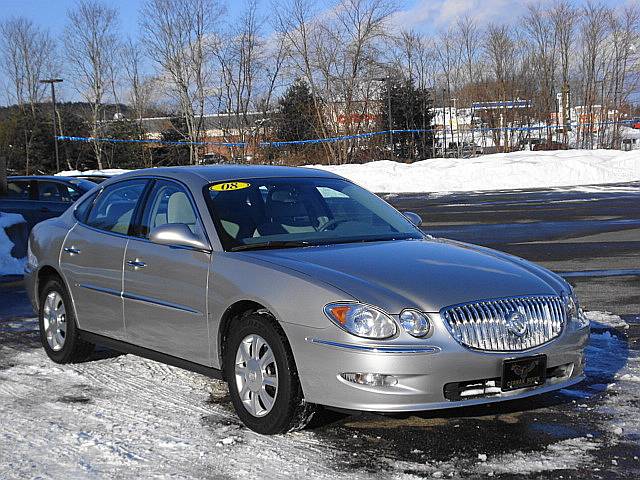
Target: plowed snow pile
pixel 501 171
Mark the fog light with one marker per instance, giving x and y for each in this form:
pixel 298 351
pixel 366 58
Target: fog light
pixel 371 379
pixel 414 322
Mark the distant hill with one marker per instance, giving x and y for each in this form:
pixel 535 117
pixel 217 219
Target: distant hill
pixel 81 109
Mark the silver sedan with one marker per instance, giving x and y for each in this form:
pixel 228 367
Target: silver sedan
pixel 300 289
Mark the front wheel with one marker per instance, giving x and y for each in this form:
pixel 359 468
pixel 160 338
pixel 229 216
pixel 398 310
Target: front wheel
pixel 58 330
pixel 262 377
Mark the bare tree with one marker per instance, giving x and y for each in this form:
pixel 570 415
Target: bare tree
pixel 139 86
pixel 91 43
pixel 338 53
pixel 502 55
pixel 27 54
pixel 470 40
pixel 541 36
pixel 564 18
pixel 181 37
pixel 593 32
pixel 625 35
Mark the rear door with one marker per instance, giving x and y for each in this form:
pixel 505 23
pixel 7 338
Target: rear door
pixel 21 198
pixel 54 198
pixel 165 288
pixel 93 253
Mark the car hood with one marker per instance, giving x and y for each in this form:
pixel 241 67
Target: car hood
pixel 424 274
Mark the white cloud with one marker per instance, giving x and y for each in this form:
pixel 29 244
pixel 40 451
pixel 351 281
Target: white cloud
pixel 437 14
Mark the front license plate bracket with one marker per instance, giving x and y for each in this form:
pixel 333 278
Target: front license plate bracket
pixel 523 372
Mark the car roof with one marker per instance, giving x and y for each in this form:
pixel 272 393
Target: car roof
pixel 215 173
pixel 42 177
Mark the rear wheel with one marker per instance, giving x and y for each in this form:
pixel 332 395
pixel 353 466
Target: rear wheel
pixel 262 377
pixel 58 329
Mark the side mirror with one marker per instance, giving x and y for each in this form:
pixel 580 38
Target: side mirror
pixel 413 218
pixel 177 235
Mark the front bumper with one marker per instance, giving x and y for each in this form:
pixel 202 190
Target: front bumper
pixel 427 371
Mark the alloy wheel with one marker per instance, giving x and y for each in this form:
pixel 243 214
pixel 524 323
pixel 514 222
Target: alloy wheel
pixel 55 321
pixel 256 375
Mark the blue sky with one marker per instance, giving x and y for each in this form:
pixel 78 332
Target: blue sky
pixel 422 15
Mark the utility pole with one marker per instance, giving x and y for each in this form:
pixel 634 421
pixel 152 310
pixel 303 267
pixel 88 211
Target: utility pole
pixel 3 174
pixel 388 80
pixel 52 82
pixel 444 126
pixel 455 110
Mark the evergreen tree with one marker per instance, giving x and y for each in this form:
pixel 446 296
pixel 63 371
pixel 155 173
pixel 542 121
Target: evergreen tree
pixel 296 118
pixel 173 154
pixel 410 110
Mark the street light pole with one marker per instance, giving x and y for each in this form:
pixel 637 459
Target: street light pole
pixel 52 82
pixel 389 113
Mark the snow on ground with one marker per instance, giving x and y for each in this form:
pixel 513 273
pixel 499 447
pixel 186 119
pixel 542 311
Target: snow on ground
pixel 9 265
pixel 607 319
pixel 127 417
pixel 501 171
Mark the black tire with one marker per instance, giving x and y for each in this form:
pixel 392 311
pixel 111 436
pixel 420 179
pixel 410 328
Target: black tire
pixel 73 349
pixel 290 411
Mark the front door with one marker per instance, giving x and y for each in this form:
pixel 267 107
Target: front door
pixel 92 258
pixel 165 288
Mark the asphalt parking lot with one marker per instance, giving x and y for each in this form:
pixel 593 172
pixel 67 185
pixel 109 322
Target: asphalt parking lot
pixel 592 235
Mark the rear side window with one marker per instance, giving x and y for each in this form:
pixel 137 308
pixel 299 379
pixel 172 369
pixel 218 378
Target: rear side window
pixel 113 209
pixel 19 189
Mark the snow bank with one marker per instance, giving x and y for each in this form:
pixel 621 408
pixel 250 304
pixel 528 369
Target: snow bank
pixel 107 171
pixel 501 171
pixel 9 265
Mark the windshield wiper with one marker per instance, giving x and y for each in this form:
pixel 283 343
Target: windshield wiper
pixel 271 244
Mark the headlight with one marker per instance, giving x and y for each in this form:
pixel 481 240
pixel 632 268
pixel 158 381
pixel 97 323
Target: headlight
pixel 361 320
pixel 414 322
pixel 574 312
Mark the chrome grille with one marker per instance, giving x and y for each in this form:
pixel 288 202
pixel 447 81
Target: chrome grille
pixel 489 324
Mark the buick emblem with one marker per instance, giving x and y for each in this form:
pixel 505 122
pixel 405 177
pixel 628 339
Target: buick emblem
pixel 516 324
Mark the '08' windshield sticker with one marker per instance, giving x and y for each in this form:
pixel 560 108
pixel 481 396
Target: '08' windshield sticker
pixel 229 186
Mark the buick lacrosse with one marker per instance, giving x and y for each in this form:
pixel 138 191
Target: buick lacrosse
pixel 299 289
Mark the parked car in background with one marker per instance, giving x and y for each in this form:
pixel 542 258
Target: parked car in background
pixel 42 197
pixel 93 177
pixel 550 146
pixel 299 288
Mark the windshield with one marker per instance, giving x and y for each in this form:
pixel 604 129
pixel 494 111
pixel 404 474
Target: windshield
pixel 287 212
pixel 84 185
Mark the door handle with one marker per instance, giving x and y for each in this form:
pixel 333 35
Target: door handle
pixel 136 263
pixel 45 210
pixel 72 250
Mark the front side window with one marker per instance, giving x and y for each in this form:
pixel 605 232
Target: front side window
pixel 113 209
pixel 268 212
pixel 19 189
pixel 69 193
pixel 50 192
pixel 169 203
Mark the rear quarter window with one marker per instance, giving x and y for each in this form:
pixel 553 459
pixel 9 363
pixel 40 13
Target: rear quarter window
pixel 82 210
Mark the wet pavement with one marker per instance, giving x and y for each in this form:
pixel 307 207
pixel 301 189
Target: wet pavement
pixel 594 237
pixel 591 235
